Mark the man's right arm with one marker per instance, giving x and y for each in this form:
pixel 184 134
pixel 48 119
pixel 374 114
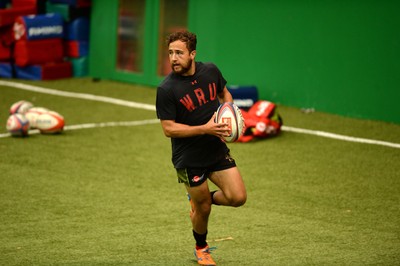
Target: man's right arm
pixel 177 130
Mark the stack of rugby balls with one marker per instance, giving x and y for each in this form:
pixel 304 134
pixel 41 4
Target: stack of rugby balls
pixel 24 116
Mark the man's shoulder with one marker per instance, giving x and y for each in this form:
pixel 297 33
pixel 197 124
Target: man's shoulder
pixel 207 68
pixel 206 65
pixel 168 81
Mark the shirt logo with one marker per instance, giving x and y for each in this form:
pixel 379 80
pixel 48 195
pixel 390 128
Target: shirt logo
pixel 199 97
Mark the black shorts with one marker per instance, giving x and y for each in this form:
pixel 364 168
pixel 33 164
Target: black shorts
pixel 196 176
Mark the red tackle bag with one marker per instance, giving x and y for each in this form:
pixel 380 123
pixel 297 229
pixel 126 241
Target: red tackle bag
pixel 262 120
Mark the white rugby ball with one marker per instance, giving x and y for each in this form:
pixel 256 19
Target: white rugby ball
pixel 18 125
pixel 20 107
pixel 33 113
pixel 50 122
pixel 230 114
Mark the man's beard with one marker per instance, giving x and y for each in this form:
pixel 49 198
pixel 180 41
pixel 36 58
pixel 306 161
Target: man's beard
pixel 184 68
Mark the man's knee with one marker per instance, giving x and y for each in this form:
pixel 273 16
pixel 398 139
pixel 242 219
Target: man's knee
pixel 203 207
pixel 238 200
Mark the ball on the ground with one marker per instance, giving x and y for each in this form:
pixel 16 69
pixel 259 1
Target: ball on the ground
pixel 50 122
pixel 20 107
pixel 230 114
pixel 33 113
pixel 17 125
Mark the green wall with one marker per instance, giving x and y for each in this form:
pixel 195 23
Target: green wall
pixel 102 50
pixel 103 43
pixel 335 56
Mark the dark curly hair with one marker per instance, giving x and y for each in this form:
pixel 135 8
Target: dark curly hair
pixel 187 37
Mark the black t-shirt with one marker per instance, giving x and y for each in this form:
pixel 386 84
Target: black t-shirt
pixel 192 100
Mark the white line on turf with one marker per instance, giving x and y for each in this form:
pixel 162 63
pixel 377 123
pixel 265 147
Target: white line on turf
pixel 96 125
pixel 84 96
pixel 340 137
pixel 153 108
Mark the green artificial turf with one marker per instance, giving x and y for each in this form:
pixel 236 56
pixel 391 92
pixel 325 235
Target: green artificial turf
pixel 109 196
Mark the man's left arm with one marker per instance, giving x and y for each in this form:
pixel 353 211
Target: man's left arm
pixel 225 96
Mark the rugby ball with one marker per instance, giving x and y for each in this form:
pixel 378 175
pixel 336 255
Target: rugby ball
pixel 20 107
pixel 50 122
pixel 230 114
pixel 33 113
pixel 18 125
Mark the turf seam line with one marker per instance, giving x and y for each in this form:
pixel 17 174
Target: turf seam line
pixel 153 108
